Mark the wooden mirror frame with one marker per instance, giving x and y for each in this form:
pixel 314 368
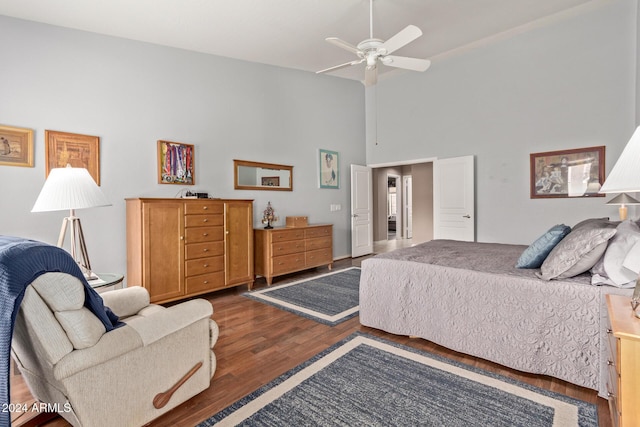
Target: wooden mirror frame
pixel 271 166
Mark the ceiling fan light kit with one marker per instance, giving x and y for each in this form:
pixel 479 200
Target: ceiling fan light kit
pixel 373 50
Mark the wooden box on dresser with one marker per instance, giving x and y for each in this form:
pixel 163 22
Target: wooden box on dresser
pixel 624 362
pixel 283 250
pixel 177 248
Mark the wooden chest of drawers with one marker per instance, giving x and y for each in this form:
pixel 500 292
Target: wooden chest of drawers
pixel 282 250
pixel 177 248
pixel 624 362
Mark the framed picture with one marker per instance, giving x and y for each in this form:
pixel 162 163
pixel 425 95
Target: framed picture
pixel 176 163
pixel 271 181
pixel 79 151
pixel 329 169
pixel 16 146
pixel 567 173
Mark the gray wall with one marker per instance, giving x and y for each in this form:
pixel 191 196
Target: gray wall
pixel 132 94
pixel 568 83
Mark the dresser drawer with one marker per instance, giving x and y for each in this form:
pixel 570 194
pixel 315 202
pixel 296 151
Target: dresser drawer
pixel 318 257
pixel 287 263
pixel 317 243
pixel 204 234
pixel 201 250
pixel 318 232
pixel 284 235
pixel 203 207
pixel 203 220
pixel 204 265
pixel 287 247
pixel 205 282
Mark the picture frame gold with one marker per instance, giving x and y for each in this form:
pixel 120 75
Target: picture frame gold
pixel 16 146
pixel 77 150
pixel 176 163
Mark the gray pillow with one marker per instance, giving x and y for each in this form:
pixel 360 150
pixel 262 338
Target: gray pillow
pixel 609 270
pixel 576 253
pixel 537 252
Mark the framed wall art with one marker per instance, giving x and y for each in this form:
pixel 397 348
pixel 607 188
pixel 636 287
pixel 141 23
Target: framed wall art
pixel 329 169
pixel 16 146
pixel 79 151
pixel 567 173
pixel 270 181
pixel 176 163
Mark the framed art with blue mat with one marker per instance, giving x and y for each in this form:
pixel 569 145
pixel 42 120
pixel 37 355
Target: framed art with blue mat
pixel 367 380
pixel 329 298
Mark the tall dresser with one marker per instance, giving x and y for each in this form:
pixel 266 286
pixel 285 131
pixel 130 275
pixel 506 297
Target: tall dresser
pixel 623 383
pixel 283 250
pixel 177 248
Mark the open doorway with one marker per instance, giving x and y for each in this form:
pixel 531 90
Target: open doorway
pixel 394 214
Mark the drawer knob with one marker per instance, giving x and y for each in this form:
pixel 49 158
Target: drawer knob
pixel 610 395
pixel 205 207
pixel 609 331
pixel 206 265
pixel 205 220
pixel 206 282
pixel 610 362
pixel 205 250
pixel 205 234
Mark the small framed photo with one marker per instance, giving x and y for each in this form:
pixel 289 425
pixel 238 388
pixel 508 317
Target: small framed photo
pixel 79 151
pixel 176 163
pixel 16 146
pixel 567 173
pixel 270 181
pixel 329 168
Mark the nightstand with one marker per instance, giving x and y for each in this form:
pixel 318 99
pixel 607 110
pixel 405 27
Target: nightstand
pixel 105 280
pixel 624 362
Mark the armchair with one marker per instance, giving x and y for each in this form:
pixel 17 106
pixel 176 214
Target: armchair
pixel 126 377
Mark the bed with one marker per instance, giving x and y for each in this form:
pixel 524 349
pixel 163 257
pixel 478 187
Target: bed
pixel 470 297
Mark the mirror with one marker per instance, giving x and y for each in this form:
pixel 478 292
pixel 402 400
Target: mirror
pixel 262 176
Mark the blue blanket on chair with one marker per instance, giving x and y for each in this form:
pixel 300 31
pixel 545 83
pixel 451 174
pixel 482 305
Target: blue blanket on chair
pixel 21 262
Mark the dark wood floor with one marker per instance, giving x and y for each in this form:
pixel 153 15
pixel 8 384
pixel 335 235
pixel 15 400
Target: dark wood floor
pixel 259 342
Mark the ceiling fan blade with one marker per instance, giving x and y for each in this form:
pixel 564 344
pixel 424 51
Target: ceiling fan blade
pixel 342 44
pixel 370 76
pixel 337 67
pixel 404 37
pixel 414 64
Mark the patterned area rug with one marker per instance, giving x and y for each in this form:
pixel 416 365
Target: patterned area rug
pixel 366 380
pixel 329 298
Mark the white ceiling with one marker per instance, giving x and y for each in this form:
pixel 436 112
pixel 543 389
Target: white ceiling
pixel 291 33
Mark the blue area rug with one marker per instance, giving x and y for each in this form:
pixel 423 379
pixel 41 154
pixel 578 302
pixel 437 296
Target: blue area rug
pixel 329 298
pixel 366 380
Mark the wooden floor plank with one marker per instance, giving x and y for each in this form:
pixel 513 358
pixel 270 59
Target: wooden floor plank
pixel 259 342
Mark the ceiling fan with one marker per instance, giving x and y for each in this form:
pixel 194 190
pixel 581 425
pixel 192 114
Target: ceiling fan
pixel 371 51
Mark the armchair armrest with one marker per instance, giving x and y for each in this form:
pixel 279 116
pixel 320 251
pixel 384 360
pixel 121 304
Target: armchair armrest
pixel 162 323
pixel 126 302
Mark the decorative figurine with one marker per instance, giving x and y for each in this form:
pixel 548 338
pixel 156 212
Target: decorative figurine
pixel 269 216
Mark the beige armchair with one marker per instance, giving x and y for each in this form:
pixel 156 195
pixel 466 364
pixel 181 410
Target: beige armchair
pixel 126 377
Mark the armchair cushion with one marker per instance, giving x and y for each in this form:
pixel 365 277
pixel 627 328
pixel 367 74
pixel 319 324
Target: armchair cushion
pixel 82 327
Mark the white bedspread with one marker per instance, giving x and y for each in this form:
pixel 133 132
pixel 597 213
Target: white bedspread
pixel 469 297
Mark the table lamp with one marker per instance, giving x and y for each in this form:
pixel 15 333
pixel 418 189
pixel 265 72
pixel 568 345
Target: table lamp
pixel 71 188
pixel 623 200
pixel 625 178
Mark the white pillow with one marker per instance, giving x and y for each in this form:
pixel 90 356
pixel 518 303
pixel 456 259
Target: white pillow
pixel 610 269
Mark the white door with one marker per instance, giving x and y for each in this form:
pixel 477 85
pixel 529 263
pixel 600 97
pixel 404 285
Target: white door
pixel 454 199
pixel 361 211
pixel 408 209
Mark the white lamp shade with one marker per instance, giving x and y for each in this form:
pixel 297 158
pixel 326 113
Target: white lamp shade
pixel 69 188
pixel 625 175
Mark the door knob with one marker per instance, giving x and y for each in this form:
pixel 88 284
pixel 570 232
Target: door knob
pixel 355 215
pixel 466 216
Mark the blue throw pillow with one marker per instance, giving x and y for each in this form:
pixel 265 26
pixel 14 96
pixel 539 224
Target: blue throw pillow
pixel 537 252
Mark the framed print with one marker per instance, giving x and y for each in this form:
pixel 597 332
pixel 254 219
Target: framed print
pixel 270 181
pixel 16 146
pixel 79 151
pixel 567 173
pixel 329 169
pixel 176 163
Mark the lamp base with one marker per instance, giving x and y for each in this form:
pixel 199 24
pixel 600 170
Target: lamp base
pixel 622 211
pixel 78 247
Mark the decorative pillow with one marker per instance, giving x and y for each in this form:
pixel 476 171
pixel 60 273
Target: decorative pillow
pixel 596 223
pixel 576 253
pixel 537 252
pixel 610 269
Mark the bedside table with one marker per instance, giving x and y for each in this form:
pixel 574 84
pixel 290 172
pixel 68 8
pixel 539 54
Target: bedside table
pixel 624 362
pixel 105 280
